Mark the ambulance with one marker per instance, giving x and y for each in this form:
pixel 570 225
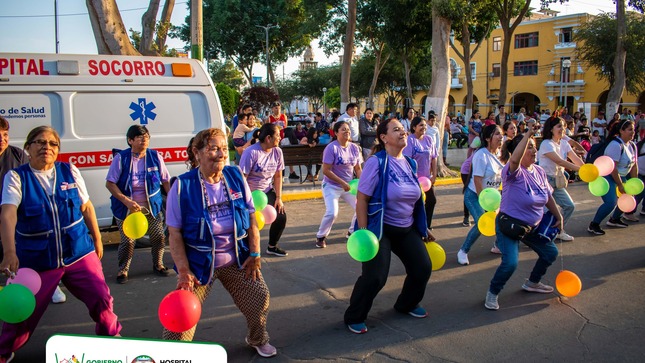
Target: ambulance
pixel 92 100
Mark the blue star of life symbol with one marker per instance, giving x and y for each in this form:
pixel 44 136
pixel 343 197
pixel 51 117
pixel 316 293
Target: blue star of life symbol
pixel 142 111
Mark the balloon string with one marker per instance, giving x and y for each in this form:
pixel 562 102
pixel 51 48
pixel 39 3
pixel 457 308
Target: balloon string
pixel 145 211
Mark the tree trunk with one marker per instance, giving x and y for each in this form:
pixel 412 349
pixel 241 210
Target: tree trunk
pixel 437 99
pixel 348 54
pixel 507 30
pixel 162 34
pixel 407 70
pixel 272 76
pixel 109 32
pixel 616 90
pixel 378 66
pixel 148 25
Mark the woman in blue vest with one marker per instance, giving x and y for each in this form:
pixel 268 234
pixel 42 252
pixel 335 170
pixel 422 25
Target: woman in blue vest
pixel 389 203
pixel 46 218
pixel 135 179
pixel 214 235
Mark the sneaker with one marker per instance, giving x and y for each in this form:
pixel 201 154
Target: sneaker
pixel 595 229
pixel 321 242
pixel 276 251
pixel 642 212
pixel 495 250
pixel 122 279
pixel 5 359
pixel 491 301
pixel 309 178
pixel 348 234
pixel 59 296
pixel 462 258
pixel 265 350
pixel 161 271
pixel 359 328
pixel 537 287
pixel 616 223
pixel 630 217
pixel 293 176
pixel 564 236
pixel 316 177
pixel 466 222
pixel 418 312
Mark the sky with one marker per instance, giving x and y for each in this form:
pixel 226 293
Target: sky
pixel 29 26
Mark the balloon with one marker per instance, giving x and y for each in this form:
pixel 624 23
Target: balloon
pixel 260 200
pixel 426 184
pixel 568 283
pixel 28 278
pixel 486 223
pixel 605 165
pixel 476 143
pixel 135 225
pixel 489 199
pixel 353 186
pixel 634 186
pixel 179 311
pixel 588 173
pixel 437 255
pixel 270 214
pixel 599 187
pixel 17 303
pixel 259 217
pixel 362 245
pixel 618 193
pixel 626 203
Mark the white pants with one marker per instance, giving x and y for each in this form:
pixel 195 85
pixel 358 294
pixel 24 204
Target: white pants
pixel 331 195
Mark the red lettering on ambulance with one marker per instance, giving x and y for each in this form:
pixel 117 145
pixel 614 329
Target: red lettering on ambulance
pixel 104 67
pixel 32 68
pixel 149 68
pixel 138 68
pixel 115 70
pixel 161 69
pixel 127 68
pixel 93 70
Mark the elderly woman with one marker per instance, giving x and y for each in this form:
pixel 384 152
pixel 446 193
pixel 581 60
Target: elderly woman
pixel 262 165
pixel 214 235
pixel 46 217
pixel 389 203
pixel 522 177
pixel 135 179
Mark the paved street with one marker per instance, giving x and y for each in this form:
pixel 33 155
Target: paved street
pixel 310 290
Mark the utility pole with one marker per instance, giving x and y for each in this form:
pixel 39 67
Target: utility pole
pixel 196 30
pixel 56 25
pixel 266 32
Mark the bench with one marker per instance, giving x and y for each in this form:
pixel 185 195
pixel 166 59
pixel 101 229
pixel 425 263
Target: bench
pixel 299 155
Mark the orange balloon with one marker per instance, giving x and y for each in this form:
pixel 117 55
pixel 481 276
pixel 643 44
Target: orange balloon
pixel 568 283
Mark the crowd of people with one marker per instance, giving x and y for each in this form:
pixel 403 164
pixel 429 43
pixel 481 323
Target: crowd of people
pixel 210 216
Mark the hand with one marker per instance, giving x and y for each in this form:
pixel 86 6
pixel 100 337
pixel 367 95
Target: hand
pixel 621 188
pixel 133 206
pixel 433 179
pixel 252 267
pixel 98 248
pixel 186 281
pixel 559 222
pixel 531 127
pixel 279 206
pixel 431 237
pixel 9 264
pixel 346 186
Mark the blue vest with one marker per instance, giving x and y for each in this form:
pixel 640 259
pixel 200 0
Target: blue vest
pixel 153 183
pixel 50 231
pixel 375 206
pixel 195 230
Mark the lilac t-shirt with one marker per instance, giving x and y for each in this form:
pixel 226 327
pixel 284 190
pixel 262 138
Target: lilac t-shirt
pixel 260 166
pixel 137 175
pixel 465 167
pixel 525 193
pixel 221 218
pixel 342 161
pixel 422 151
pixel 402 191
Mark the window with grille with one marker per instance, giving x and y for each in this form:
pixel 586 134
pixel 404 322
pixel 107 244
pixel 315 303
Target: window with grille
pixel 526 40
pixel 527 68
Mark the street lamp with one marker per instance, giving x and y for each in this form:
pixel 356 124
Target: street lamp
pixel 266 32
pixel 566 63
pixel 325 101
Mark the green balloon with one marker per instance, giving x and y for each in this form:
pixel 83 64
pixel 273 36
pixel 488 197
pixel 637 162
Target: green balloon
pixel 353 186
pixel 490 199
pixel 260 200
pixel 362 245
pixel 17 303
pixel 599 187
pixel 634 186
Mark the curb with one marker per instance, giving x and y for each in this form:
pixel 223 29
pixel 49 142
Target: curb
pixel 317 194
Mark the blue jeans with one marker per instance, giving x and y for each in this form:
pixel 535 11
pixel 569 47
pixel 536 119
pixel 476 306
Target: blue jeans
pixel 563 199
pixel 471 200
pixel 609 201
pixel 547 254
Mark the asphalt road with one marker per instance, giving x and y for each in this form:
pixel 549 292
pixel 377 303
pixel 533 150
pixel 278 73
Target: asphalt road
pixel 310 290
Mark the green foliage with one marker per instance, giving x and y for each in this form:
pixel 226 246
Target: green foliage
pixel 332 99
pixel 228 98
pixel 259 97
pixel 226 72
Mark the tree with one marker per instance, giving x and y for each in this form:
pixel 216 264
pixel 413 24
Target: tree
pixel 225 72
pixel 348 53
pixel 228 98
pixel 259 97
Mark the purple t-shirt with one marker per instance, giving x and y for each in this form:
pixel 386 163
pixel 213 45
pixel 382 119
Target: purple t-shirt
pixel 260 166
pixel 525 193
pixel 342 161
pixel 221 219
pixel 137 175
pixel 422 151
pixel 465 167
pixel 402 191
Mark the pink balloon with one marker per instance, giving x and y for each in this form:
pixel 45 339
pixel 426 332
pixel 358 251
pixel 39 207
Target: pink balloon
pixel 28 278
pixel 426 184
pixel 269 213
pixel 626 203
pixel 605 165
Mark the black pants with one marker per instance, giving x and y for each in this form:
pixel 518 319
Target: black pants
pixel 277 227
pixel 461 139
pixel 406 243
pixel 431 202
pixel 464 177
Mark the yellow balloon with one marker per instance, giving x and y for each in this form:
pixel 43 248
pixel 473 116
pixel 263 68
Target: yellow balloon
pixel 135 225
pixel 618 193
pixel 259 217
pixel 423 195
pixel 486 223
pixel 588 173
pixel 437 255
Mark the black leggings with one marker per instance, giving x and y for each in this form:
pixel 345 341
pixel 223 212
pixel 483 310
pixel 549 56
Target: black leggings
pixel 431 202
pixel 277 227
pixel 464 178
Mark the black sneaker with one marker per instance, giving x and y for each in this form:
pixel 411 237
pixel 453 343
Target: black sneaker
pixel 321 242
pixel 595 229
pixel 293 176
pixel 161 271
pixel 616 223
pixel 122 279
pixel 277 251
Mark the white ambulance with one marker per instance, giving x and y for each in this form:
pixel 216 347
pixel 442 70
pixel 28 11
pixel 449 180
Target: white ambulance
pixel 92 100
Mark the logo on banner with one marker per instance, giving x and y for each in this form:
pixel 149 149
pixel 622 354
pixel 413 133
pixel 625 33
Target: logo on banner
pixel 142 111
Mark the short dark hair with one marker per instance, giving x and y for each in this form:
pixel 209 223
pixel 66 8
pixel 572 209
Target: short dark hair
pixel 415 122
pixel 549 124
pixel 136 130
pixel 4 124
pixel 276 103
pixel 350 105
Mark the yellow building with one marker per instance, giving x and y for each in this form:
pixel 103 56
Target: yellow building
pixel 538 78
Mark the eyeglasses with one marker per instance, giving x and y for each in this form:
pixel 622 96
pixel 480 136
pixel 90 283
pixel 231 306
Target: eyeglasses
pixel 43 143
pixel 142 137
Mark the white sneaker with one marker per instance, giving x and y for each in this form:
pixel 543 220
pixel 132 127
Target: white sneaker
pixel 491 301
pixel 59 296
pixel 462 258
pixel 564 236
pixel 630 217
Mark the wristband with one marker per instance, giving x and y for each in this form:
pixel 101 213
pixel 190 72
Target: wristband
pixel 254 254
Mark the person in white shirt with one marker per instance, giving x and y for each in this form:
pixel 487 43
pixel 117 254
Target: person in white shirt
pixel 433 130
pixel 350 116
pixel 599 124
pixel 410 114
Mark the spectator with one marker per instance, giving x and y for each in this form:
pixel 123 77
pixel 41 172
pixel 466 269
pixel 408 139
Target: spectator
pixel 599 124
pixel 474 130
pixel 300 131
pixel 351 117
pixel 240 136
pixel 321 124
pixel 490 119
pixel 367 126
pixel 502 117
pixel 311 139
pixel 245 109
pixel 410 114
pixel 457 134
